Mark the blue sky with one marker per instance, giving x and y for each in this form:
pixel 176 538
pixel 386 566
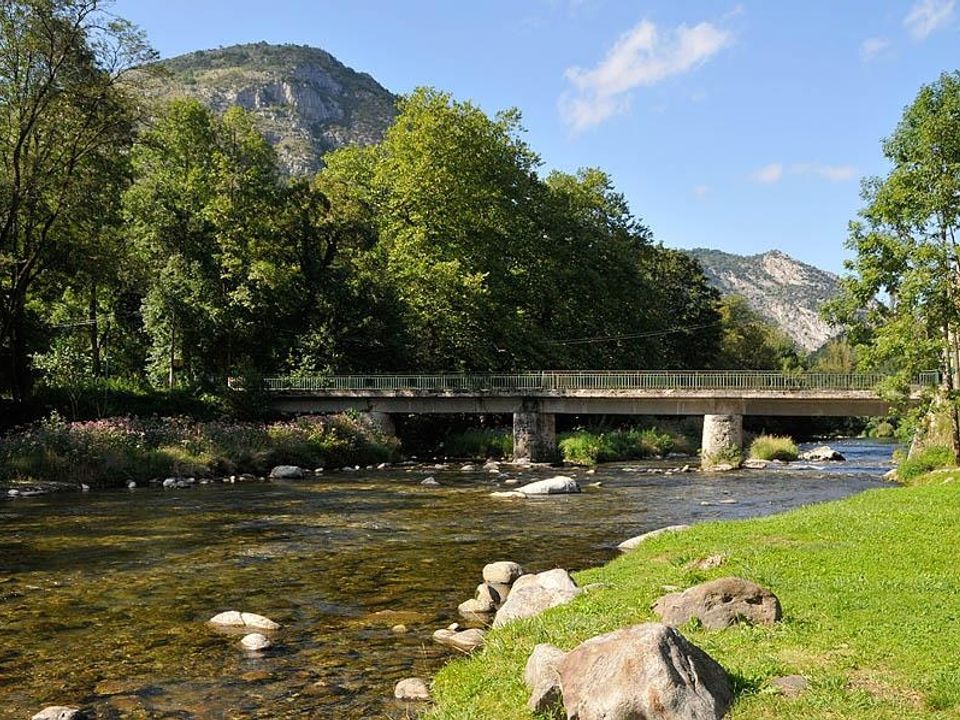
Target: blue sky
pixel 742 126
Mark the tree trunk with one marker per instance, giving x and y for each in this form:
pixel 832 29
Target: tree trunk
pixel 94 329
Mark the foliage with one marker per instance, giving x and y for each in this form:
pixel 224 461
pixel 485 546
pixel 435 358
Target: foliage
pixel 586 448
pixel 748 342
pixel 479 443
pixel 928 459
pixel 774 447
pixel 846 573
pixel 116 450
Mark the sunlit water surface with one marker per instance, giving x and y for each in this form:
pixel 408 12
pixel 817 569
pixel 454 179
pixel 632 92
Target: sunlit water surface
pixel 104 596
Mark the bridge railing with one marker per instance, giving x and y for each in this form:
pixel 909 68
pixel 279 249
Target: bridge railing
pixel 575 380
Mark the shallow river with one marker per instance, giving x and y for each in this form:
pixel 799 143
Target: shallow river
pixel 104 596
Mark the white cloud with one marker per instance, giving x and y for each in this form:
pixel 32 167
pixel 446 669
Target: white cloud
pixel 926 16
pixel 833 173
pixel 769 173
pixel 871 47
pixel 640 57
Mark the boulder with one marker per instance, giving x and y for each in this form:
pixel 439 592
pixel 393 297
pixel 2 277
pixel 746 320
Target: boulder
pixel 58 712
pixel 639 539
pixel 720 603
pixel 462 640
pixel 412 688
pixel 430 481
pixel 501 590
pixel 824 453
pixel 476 609
pixel 532 594
pixel 503 572
pixel 542 677
pixel 644 672
pixel 232 618
pixel 754 464
pixel 170 483
pixel 255 641
pixel 287 472
pixel 557 485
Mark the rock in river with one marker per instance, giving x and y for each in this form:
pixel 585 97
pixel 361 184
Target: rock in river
pixel 644 672
pixel 58 712
pixel 720 603
pixel 287 472
pixel 532 594
pixel 502 572
pixel 412 688
pixel 255 641
pixel 640 539
pixel 557 485
pixel 232 618
pixel 824 453
pixel 462 640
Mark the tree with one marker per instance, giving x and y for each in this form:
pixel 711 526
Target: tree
pixel 749 342
pixel 906 248
pixel 62 115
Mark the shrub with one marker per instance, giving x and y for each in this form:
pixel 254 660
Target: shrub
pixel 479 442
pixel 586 448
pixel 774 447
pixel 932 458
pixel 581 447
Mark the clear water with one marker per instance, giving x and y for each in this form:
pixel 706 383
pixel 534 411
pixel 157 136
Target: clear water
pixel 104 596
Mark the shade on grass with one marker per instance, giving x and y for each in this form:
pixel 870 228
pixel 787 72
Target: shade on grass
pixel 870 589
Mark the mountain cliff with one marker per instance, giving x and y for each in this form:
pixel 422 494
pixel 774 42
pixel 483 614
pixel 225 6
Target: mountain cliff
pixel 787 292
pixel 305 100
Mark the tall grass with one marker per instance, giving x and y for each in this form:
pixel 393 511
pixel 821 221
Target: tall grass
pixel 586 448
pixel 479 443
pixel 932 458
pixel 117 450
pixel 774 447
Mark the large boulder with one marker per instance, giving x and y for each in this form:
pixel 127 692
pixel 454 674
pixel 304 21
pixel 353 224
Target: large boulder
pixel 542 677
pixel 232 618
pixel 557 485
pixel 644 672
pixel 532 594
pixel 720 603
pixel 58 712
pixel 287 472
pixel 502 572
pixel 640 539
pixel 824 453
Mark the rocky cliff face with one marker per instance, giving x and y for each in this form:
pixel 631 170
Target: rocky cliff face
pixel 306 101
pixel 787 292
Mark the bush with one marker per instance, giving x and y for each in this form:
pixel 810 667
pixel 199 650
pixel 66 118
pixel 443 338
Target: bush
pixel 585 448
pixel 479 443
pixel 581 447
pixel 932 458
pixel 774 447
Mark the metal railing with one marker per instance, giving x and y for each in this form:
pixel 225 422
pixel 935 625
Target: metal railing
pixel 547 381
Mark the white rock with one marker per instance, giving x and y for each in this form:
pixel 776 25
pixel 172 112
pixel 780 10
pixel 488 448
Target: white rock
pixel 170 483
pixel 57 712
pixel 508 494
pixel 84 487
pixel 532 594
pixel 464 640
pixel 13 493
pixel 412 688
pixel 255 641
pixel 131 485
pixel 503 572
pixel 640 539
pixel 287 472
pixel 232 618
pixel 557 485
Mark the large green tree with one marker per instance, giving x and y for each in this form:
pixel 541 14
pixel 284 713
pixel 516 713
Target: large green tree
pixel 64 119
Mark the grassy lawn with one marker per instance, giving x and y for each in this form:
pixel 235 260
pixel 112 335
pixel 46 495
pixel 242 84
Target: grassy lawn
pixel 870 588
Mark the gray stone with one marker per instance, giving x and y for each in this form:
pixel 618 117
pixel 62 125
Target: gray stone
pixel 640 539
pixel 430 481
pixel 824 453
pixel 722 434
pixel 58 712
pixel 232 618
pixel 755 464
pixel 509 495
pixel 720 603
pixel 542 677
pixel 255 641
pixel 644 672
pixel 488 596
pixel 287 472
pixel 474 607
pixel 503 572
pixel 791 685
pixel 170 483
pixel 412 688
pixel 532 594
pixel 462 640
pixel 557 485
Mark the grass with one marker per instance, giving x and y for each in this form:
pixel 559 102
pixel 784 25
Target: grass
pixel 113 451
pixel 586 448
pixel 479 443
pixel 932 458
pixel 870 594
pixel 774 447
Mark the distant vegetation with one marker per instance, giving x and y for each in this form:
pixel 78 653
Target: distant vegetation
pixel 589 448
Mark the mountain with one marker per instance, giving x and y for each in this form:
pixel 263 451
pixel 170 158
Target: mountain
pixel 305 100
pixel 787 292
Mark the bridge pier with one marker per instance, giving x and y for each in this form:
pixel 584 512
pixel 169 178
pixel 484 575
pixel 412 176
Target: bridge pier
pixel 534 436
pixel 722 440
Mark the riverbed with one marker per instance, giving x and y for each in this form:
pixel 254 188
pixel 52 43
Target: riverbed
pixel 104 596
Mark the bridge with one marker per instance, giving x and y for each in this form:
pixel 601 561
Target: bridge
pixel 535 398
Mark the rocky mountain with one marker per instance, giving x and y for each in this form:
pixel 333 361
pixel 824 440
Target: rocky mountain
pixel 787 292
pixel 306 101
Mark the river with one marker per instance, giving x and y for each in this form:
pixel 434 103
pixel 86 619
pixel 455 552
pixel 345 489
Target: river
pixel 104 596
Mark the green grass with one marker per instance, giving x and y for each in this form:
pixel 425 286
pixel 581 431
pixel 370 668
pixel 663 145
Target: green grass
pixel 479 443
pixel 586 448
pixel 774 447
pixel 912 469
pixel 870 595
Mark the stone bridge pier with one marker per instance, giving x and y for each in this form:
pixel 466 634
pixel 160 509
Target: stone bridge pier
pixel 534 433
pixel 722 439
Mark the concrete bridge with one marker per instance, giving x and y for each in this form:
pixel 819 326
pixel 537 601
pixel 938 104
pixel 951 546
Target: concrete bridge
pixel 536 398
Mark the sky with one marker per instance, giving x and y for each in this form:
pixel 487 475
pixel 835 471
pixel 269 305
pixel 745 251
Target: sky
pixel 741 126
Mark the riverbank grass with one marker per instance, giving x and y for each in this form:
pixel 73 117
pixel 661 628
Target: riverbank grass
pixel 774 447
pixel 583 447
pixel 870 596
